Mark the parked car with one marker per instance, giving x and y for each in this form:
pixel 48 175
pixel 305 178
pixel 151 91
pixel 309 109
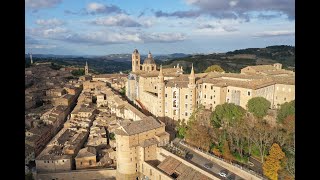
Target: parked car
pixel 208 165
pixel 223 173
pixel 231 177
pixel 189 156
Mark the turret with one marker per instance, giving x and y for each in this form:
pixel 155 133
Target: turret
pixel 86 69
pixel 192 77
pixel 161 94
pixel 135 60
pixel 192 88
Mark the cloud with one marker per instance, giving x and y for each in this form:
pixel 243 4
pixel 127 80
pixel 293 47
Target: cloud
pixel 98 8
pixel 121 20
pixel 230 28
pixel 163 37
pixel 206 26
pixel 179 14
pixel 49 22
pixel 232 9
pixel 274 33
pixel 267 16
pixel 31 43
pixel 70 12
pixel 41 4
pixel 104 37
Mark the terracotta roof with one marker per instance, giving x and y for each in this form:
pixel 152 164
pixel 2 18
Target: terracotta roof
pixel 87 152
pixel 146 124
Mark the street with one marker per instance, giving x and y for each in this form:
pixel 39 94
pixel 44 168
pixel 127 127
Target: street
pixel 200 161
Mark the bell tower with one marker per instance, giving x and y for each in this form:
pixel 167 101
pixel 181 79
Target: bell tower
pixel 86 69
pixel 135 60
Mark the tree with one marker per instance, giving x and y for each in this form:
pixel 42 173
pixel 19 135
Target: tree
pixel 199 133
pixel 272 164
pixel 226 151
pixel 258 106
pixel 112 136
pixel 262 136
pixel 29 176
pixel 78 72
pixel 286 109
pixel 214 68
pixel 227 113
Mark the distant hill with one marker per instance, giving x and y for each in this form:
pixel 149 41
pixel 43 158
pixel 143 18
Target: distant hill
pixel 234 61
pixel 231 61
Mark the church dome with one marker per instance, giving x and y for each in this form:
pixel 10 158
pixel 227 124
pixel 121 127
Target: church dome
pixel 149 60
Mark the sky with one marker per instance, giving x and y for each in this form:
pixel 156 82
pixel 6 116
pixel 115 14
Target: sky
pixel 101 27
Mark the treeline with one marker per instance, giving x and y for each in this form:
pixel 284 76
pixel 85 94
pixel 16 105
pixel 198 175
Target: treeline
pixel 235 134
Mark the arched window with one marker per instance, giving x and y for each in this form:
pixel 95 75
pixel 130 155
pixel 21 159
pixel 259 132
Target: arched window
pixel 90 162
pixel 152 68
pixel 148 68
pixel 174 94
pixel 175 103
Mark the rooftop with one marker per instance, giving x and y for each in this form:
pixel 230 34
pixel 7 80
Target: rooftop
pixel 136 127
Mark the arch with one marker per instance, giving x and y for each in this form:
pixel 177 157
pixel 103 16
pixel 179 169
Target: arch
pixel 174 95
pixel 174 103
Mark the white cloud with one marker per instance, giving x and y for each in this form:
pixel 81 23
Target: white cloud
pixel 98 8
pixel 49 22
pixel 274 33
pixel 233 3
pixel 38 4
pixel 118 20
pixel 95 7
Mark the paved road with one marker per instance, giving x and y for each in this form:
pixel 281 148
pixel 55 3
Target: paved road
pixel 201 161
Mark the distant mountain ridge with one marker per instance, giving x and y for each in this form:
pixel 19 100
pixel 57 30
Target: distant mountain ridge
pixel 231 61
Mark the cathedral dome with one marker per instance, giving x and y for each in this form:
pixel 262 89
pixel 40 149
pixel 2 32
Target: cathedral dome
pixel 149 60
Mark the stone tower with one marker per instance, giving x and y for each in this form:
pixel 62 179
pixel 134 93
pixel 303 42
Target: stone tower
pixel 192 88
pixel 161 93
pixel 135 60
pixel 31 61
pixel 86 69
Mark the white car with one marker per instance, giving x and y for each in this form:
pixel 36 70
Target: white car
pixel 223 173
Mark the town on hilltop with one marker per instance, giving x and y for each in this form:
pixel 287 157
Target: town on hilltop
pixel 155 123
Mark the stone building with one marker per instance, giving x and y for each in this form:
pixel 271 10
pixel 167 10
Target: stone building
pixel 171 95
pixel 86 158
pixel 137 142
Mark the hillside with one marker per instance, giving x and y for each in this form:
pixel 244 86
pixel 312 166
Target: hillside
pixel 233 61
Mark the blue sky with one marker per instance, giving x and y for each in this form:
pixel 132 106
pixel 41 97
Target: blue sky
pixel 101 27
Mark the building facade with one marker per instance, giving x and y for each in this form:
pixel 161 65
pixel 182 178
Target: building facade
pixel 171 95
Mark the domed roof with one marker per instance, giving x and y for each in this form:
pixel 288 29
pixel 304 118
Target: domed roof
pixel 149 60
pixel 136 51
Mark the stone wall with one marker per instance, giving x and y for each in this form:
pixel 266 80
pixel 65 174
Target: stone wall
pixel 79 175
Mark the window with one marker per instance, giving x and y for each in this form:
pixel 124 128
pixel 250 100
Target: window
pixel 81 163
pixel 150 172
pixel 174 112
pixel 155 87
pixel 228 90
pixel 210 97
pixel 205 96
pixel 248 93
pixel 285 99
pixel 211 87
pixel 131 159
pixel 186 96
pixel 205 86
pixel 186 114
pixel 166 95
pixel 62 160
pixel 175 103
pixel 215 91
pixel 174 94
pixel 90 162
pixel 44 161
pixel 214 102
